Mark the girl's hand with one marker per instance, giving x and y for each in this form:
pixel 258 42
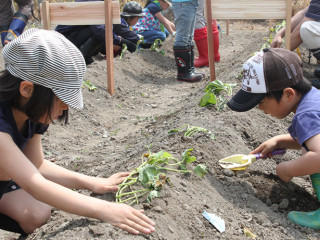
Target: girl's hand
pixel 110 184
pixel 128 219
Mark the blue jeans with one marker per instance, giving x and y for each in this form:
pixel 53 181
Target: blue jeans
pixel 150 36
pixel 184 20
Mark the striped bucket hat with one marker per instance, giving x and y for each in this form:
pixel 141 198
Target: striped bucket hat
pixel 48 59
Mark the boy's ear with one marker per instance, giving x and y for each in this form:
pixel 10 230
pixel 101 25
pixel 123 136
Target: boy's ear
pixel 289 93
pixel 26 89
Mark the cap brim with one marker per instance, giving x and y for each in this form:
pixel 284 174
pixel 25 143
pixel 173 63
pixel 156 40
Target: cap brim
pixel 124 14
pixel 71 97
pixel 243 101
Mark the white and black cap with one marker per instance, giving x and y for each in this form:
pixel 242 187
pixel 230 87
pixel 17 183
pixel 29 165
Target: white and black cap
pixel 48 59
pixel 267 71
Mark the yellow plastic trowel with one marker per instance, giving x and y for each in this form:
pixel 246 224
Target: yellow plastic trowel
pixel 240 161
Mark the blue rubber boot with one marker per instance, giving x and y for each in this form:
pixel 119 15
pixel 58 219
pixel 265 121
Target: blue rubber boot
pixel 17 26
pixel 309 219
pixel 3 32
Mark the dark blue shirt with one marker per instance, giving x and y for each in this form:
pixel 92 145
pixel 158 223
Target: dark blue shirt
pixel 314 10
pixel 8 125
pixel 123 30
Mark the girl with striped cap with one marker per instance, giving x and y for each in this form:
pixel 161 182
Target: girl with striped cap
pixel 42 78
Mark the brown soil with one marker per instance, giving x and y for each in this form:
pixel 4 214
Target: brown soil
pixel 112 132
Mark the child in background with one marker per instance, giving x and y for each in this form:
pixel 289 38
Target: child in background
pixel 90 39
pixel 201 38
pixel 43 77
pixel 153 25
pixel 12 24
pixel 132 12
pixel 185 19
pixel 273 80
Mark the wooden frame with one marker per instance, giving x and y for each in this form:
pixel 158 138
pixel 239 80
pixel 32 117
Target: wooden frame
pixel 246 9
pixel 86 13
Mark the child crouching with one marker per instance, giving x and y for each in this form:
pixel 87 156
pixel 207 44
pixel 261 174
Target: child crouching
pixel 273 81
pixel 42 78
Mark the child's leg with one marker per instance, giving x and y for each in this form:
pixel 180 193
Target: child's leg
pixel 25 209
pixel 309 219
pixel 150 36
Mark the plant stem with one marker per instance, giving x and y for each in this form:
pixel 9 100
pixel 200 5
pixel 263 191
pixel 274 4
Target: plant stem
pixel 176 170
pixel 139 195
pixel 133 192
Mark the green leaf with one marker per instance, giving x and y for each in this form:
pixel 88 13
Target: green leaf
pixel 89 85
pixel 124 49
pixel 153 194
pixel 147 173
pixel 217 93
pixel 159 157
pixel 201 170
pixel 187 158
pixel 208 98
pixel 183 166
pixel 173 131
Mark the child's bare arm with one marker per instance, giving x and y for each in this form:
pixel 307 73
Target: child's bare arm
pixel 68 178
pixel 308 163
pixel 277 142
pixel 16 165
pixel 165 22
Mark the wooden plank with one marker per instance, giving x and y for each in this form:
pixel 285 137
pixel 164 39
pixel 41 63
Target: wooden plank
pixel 210 41
pixel 109 45
pixel 245 9
pixel 82 13
pixel 288 24
pixel 45 15
pixel 248 9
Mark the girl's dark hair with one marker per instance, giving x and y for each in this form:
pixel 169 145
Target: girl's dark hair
pixel 302 87
pixel 40 103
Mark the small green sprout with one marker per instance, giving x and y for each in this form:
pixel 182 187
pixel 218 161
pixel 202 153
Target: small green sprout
pixel 191 130
pixel 89 85
pixel 217 93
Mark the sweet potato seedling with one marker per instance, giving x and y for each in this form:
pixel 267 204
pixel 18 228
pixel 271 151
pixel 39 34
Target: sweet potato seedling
pixel 217 93
pixel 124 49
pixel 150 177
pixel 273 30
pixel 189 131
pixel 156 47
pixel 89 85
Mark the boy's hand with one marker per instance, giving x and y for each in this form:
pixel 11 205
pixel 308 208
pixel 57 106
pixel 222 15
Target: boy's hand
pixel 110 184
pixel 266 148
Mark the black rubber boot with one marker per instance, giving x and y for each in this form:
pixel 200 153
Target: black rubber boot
pixel 90 48
pixel 317 72
pixel 3 32
pixel 192 60
pixel 17 26
pixel 182 57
